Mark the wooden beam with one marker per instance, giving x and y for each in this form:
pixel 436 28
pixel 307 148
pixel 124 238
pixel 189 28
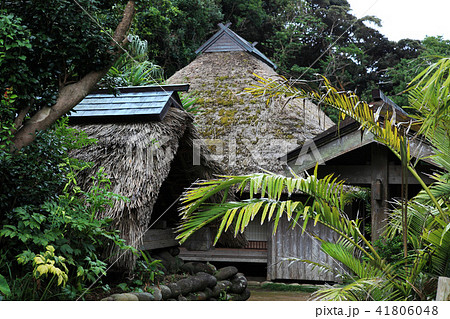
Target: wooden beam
pixel 158 238
pixel 310 154
pixel 362 174
pixel 224 255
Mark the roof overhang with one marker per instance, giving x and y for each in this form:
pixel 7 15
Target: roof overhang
pixel 128 104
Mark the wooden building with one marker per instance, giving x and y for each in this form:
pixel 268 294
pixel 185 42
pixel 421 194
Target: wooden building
pixel 356 157
pixel 144 143
pixel 245 135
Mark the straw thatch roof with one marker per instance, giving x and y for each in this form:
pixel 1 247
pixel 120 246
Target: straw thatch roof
pixel 246 134
pixel 141 158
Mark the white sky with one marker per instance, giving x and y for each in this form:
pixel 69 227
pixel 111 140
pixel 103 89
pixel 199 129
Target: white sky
pixel 413 19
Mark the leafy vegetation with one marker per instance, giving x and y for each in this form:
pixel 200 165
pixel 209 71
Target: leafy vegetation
pixel 51 242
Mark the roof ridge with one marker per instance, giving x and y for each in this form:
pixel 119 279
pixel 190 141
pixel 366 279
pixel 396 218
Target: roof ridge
pixel 240 44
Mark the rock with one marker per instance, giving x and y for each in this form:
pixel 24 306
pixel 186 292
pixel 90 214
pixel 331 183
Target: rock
pixel 124 297
pixel 119 297
pixel 165 292
pixel 246 294
pixel 108 299
pixel 196 267
pixel 182 298
pixel 212 267
pixel 202 296
pixel 171 299
pixel 197 296
pixel 241 297
pixel 175 289
pixel 144 296
pixel 174 251
pixel 226 272
pixel 169 262
pixel 208 292
pixel 238 283
pixel 188 268
pixel 222 286
pixel 156 292
pixel 178 262
pixel 185 285
pixel 210 280
pixel 196 283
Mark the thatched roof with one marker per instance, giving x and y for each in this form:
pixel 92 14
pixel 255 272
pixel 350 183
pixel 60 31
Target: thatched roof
pixel 138 158
pixel 260 134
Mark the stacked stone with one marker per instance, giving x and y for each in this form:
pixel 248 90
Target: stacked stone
pixel 204 283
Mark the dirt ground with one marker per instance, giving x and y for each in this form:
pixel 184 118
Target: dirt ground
pixel 258 294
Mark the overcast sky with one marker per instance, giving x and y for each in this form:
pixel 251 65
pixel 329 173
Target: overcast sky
pixel 402 19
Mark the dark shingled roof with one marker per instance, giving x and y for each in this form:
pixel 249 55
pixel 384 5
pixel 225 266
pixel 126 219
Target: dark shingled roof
pixel 141 103
pixel 225 40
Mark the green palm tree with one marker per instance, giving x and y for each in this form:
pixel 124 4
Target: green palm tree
pixel 367 275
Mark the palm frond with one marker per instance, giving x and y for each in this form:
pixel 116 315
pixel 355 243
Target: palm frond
pixel 197 212
pixel 357 290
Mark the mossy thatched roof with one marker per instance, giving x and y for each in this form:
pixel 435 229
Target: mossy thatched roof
pixel 245 134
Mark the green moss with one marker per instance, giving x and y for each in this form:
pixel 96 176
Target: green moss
pixel 284 287
pixel 222 78
pixel 224 102
pixel 226 120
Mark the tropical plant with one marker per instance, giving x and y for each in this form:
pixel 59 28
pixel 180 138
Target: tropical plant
pixel 41 205
pixel 367 276
pixel 4 287
pixel 133 67
pixel 51 66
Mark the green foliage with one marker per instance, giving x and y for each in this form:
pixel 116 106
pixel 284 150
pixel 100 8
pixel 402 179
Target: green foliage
pixel 46 45
pixel 148 270
pixel 14 47
pixel 189 102
pixel 175 29
pixel 284 287
pixel 417 56
pixel 42 206
pixel 7 114
pixel 69 226
pixel 47 263
pixel 391 250
pixel 4 287
pixel 197 212
pixel 133 68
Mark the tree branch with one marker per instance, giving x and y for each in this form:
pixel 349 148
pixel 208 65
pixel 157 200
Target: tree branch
pixel 19 119
pixel 70 95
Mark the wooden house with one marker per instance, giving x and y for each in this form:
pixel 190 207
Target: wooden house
pixel 246 135
pixel 144 143
pixel 356 157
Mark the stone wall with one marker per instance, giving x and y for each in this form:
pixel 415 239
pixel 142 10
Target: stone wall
pixel 203 282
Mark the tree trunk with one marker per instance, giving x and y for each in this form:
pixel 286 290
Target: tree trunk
pixel 70 95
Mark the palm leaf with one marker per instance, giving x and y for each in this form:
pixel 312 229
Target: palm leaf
pixel 197 212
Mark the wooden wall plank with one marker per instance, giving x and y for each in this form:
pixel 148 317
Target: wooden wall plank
pixel 289 242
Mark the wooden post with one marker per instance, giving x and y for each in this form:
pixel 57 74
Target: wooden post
pixel 443 289
pixel 379 189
